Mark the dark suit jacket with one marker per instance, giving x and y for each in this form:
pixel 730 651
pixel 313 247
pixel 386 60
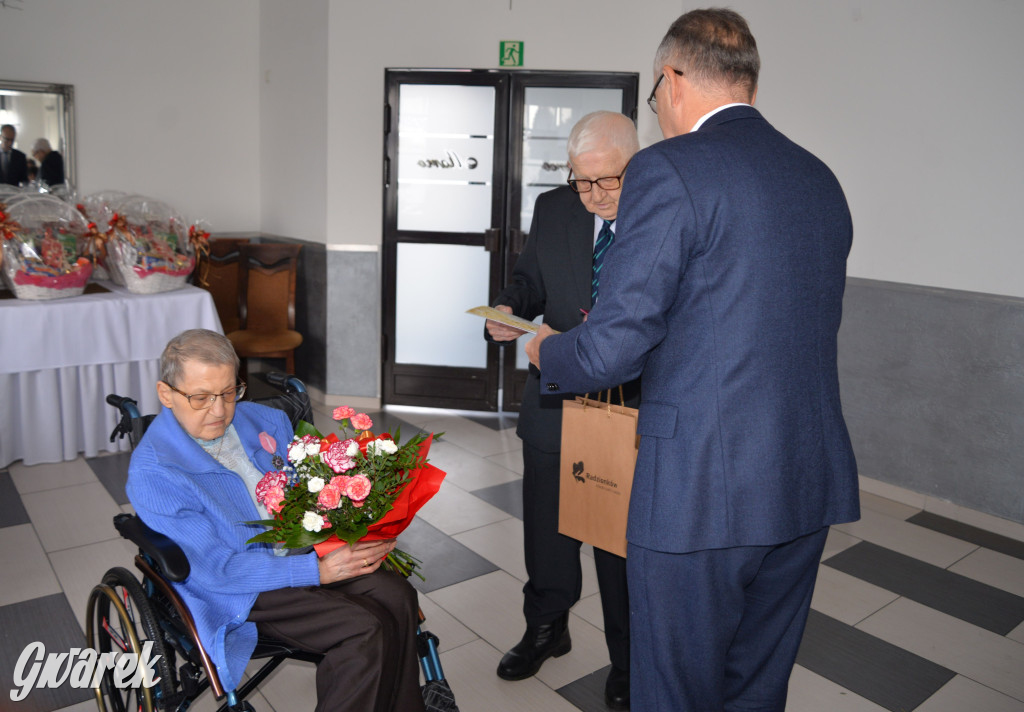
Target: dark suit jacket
pixel 552 277
pixel 51 170
pixel 17 171
pixel 725 290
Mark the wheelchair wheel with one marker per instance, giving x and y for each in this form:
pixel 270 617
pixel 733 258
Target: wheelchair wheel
pixel 120 620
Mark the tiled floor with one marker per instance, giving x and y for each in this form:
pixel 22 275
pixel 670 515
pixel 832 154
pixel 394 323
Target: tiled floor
pixel 912 611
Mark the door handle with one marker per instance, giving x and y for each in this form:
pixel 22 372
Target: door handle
pixel 492 239
pixel 518 240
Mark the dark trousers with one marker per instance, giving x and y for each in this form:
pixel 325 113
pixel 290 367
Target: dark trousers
pixel 554 576
pixel 719 629
pixel 366 629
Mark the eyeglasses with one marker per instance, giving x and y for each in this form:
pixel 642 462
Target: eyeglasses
pixel 202 401
pixel 652 101
pixel 607 183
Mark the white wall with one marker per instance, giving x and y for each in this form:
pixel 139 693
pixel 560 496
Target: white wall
pixel 913 103
pixel 166 95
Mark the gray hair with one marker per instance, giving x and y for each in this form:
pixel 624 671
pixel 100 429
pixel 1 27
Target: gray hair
pixel 195 345
pixel 41 144
pixel 603 129
pixel 714 48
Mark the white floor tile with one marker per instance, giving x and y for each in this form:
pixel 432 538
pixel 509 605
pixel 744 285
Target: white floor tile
pixel 910 539
pixel 87 706
pixel 988 658
pixel 453 510
pixel 474 437
pixel 27 573
pixel 449 631
pixel 511 460
pixel 292 686
pixel 470 670
pixel 500 543
pixel 810 692
pixel 837 541
pixel 72 516
pixel 589 653
pixel 993 568
pixel 888 507
pixel 1017 634
pixel 847 598
pixel 37 478
pixel 490 605
pixel 961 694
pixel 589 609
pixel 468 471
pixel 82 567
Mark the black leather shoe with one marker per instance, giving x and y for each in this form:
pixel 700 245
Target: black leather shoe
pixel 538 644
pixel 616 689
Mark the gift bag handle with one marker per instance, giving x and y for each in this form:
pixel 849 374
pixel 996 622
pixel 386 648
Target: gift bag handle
pixel 622 399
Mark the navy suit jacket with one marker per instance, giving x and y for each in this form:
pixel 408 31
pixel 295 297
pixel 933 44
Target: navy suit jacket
pixel 725 291
pixel 552 277
pixel 17 172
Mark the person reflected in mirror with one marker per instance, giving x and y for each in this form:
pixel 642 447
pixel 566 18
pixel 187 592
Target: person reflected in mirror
pixel 13 163
pixel 33 169
pixel 51 163
pixel 557 275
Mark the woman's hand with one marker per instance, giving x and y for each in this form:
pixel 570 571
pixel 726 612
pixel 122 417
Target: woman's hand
pixel 345 562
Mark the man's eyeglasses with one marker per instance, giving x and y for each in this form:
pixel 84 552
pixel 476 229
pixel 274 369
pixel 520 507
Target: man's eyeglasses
pixel 607 183
pixel 652 101
pixel 202 401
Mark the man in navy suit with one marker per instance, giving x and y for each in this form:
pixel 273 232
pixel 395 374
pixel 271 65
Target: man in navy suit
pixel 554 276
pixel 725 291
pixel 13 164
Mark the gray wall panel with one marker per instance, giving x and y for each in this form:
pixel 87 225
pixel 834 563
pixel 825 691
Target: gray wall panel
pixel 933 391
pixel 353 329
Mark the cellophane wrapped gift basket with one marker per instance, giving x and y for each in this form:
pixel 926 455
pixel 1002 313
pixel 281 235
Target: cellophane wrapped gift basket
pixel 44 241
pixel 147 247
pixel 98 208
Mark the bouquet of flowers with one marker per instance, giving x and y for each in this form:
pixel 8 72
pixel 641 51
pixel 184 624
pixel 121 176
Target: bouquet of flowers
pixel 335 491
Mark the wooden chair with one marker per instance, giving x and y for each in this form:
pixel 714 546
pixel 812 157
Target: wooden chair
pixel 222 279
pixel 266 303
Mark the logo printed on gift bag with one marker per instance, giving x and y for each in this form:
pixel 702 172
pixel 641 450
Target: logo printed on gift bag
pixel 577 471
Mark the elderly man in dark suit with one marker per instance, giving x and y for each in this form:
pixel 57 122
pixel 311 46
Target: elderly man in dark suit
pixel 13 164
pixel 51 163
pixel 725 292
pixel 558 275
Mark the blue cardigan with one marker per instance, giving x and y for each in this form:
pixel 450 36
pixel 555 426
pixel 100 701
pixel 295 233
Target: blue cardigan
pixel 182 492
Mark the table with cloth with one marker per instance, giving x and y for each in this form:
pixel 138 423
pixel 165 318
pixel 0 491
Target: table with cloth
pixel 60 358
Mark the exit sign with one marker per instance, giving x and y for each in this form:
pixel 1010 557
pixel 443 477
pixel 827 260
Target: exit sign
pixel 511 54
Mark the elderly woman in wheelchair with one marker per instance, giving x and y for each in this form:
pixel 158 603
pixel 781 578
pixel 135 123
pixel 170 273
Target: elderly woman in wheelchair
pixel 192 478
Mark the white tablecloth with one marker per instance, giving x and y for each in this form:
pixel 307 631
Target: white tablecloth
pixel 59 359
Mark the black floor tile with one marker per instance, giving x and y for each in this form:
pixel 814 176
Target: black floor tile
pixel 959 596
pixel 587 693
pixel 507 497
pixel 981 537
pixel 876 670
pixel 48 620
pixel 12 511
pixel 112 471
pixel 496 421
pixel 445 561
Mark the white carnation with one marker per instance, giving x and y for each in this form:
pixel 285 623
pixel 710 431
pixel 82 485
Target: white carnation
pixel 379 446
pixel 315 484
pixel 352 450
pixel 296 451
pixel 312 522
pixel 312 448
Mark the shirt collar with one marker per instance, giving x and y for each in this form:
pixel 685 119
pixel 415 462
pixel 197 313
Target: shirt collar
pixel 714 111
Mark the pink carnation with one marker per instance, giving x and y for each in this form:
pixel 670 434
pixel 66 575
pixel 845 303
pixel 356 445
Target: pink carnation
pixel 336 458
pixel 271 479
pixel 342 412
pixel 330 496
pixel 273 499
pixel 361 421
pixel 358 488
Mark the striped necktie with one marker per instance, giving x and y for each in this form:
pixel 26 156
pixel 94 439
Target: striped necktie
pixel 604 241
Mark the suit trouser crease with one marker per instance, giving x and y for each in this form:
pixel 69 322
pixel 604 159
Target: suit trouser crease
pixel 365 627
pixel 554 574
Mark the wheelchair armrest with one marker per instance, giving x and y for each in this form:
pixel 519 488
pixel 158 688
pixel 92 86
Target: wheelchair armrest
pixel 167 555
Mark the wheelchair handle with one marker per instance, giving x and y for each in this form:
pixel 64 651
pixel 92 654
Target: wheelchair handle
pixel 285 381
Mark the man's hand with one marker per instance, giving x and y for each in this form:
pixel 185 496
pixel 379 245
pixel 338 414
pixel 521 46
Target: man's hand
pixel 533 345
pixel 499 331
pixel 345 562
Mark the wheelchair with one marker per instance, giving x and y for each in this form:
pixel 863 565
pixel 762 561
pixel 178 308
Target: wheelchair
pixel 128 615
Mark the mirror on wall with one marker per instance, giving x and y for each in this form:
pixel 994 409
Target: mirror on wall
pixel 38 110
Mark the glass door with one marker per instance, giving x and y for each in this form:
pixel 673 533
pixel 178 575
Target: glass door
pixel 466 154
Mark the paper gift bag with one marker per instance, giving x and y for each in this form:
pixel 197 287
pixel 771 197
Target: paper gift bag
pixel 599 447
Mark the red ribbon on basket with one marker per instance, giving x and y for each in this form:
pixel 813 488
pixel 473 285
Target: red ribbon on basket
pixel 200 240
pixel 8 228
